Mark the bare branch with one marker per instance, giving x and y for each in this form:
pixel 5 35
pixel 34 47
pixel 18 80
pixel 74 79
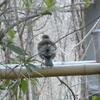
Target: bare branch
pixel 77 29
pixel 3 3
pixel 79 3
pixel 25 19
pixel 67 87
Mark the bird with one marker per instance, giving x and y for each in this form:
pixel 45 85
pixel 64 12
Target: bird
pixel 47 50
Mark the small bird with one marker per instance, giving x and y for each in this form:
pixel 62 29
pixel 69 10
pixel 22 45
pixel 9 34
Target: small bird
pixel 47 50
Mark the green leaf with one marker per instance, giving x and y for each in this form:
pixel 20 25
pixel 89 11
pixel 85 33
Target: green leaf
pixel 20 97
pixel 33 4
pixel 6 82
pixel 27 61
pixel 3 48
pixel 2 87
pixel 14 90
pixel 32 66
pixel 11 33
pixel 29 70
pixel 17 49
pixel 26 3
pixel 34 81
pixel 94 98
pixel 87 3
pixel 24 85
pixel 51 7
pixel 13 61
pixel 50 4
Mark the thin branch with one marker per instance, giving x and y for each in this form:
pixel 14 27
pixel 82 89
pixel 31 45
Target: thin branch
pixel 79 3
pixel 94 26
pixel 12 70
pixel 38 61
pixel 77 30
pixel 84 82
pixel 86 49
pixel 84 38
pixel 3 2
pixel 41 89
pixel 91 95
pixel 25 19
pixel 42 26
pixel 67 87
pixel 62 50
pixel 9 89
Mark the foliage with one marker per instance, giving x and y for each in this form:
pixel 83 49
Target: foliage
pixel 29 68
pixel 20 84
pixel 16 49
pixel 50 4
pixel 15 85
pixel 88 2
pixel 28 4
pixel 94 98
pixel 24 85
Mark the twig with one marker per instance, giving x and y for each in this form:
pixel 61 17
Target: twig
pixel 37 60
pixel 79 3
pixel 62 50
pixel 9 89
pixel 25 19
pixel 76 30
pixel 91 95
pixel 86 49
pixel 42 26
pixel 67 87
pixel 2 3
pixel 88 33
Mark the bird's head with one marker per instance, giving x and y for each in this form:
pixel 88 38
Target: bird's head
pixel 45 37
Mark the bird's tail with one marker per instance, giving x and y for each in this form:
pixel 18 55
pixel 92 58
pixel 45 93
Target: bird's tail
pixel 48 62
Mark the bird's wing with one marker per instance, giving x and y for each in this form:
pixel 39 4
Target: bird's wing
pixel 46 48
pixel 45 42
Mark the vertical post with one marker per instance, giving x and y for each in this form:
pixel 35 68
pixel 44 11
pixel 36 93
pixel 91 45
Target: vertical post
pixel 96 42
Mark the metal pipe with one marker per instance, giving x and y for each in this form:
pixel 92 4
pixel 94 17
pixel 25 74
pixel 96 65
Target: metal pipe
pixel 62 70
